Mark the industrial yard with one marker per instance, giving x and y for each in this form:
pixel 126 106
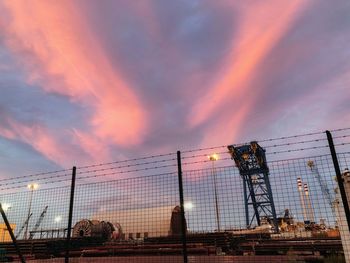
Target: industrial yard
pixel 248 219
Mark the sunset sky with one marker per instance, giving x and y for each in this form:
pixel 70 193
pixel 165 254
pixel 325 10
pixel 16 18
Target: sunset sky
pixel 86 82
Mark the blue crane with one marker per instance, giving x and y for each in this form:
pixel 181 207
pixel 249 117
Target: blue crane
pixel 251 162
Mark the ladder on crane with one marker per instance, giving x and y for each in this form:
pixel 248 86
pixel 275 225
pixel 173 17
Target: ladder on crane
pixel 37 224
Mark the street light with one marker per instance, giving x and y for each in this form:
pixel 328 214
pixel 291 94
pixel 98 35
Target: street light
pixel 214 157
pixel 188 206
pixel 58 219
pixel 6 206
pixel 31 187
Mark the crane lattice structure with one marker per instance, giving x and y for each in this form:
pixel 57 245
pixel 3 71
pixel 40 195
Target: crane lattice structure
pixel 24 225
pixel 250 159
pixel 37 224
pixel 323 184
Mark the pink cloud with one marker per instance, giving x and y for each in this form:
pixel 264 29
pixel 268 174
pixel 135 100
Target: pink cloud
pixel 65 58
pixel 38 137
pixel 257 34
pixel 189 98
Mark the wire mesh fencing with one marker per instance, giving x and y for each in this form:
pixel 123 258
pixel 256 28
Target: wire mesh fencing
pixel 288 209
pixel 273 200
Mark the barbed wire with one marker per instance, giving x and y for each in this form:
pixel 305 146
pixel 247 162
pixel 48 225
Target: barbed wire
pixel 38 180
pixel 34 175
pixel 135 170
pixel 293 143
pixel 159 174
pixel 130 165
pixel 307 141
pixel 87 177
pixel 91 166
pixel 201 155
pixel 276 152
pixel 303 135
pixel 124 161
pixel 270 162
pixel 103 168
pixel 271 139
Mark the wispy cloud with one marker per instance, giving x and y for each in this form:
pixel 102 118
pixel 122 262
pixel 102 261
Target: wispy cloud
pixel 60 55
pixel 88 82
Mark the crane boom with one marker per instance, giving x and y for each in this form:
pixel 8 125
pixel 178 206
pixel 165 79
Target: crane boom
pixel 37 224
pixel 24 225
pixel 324 188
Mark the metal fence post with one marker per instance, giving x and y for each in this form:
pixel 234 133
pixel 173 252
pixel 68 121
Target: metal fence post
pixel 11 234
pixel 340 180
pixel 71 202
pixel 183 221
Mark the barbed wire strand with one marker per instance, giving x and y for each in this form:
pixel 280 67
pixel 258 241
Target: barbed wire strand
pixel 188 151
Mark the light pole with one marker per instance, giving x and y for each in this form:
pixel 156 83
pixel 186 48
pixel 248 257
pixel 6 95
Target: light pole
pixel 214 157
pixel 31 187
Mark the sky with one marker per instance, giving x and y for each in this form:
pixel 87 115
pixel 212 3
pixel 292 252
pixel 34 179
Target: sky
pixel 86 82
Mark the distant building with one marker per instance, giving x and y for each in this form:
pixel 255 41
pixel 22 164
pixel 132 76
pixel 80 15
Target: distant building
pixel 176 222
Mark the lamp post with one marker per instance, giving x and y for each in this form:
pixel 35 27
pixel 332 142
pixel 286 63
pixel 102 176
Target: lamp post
pixel 214 157
pixel 31 187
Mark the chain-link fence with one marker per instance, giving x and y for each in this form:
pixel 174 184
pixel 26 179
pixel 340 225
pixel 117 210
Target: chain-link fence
pixel 272 200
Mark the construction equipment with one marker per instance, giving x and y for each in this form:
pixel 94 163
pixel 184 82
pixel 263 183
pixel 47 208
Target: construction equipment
pixel 37 224
pixel 323 184
pixel 96 229
pixel 250 159
pixel 24 225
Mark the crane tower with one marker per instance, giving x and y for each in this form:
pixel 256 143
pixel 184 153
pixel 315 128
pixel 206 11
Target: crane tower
pixel 323 184
pixel 250 159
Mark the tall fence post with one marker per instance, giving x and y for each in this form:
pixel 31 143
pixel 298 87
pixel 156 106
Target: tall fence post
pixel 340 180
pixel 11 234
pixel 183 221
pixel 71 202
